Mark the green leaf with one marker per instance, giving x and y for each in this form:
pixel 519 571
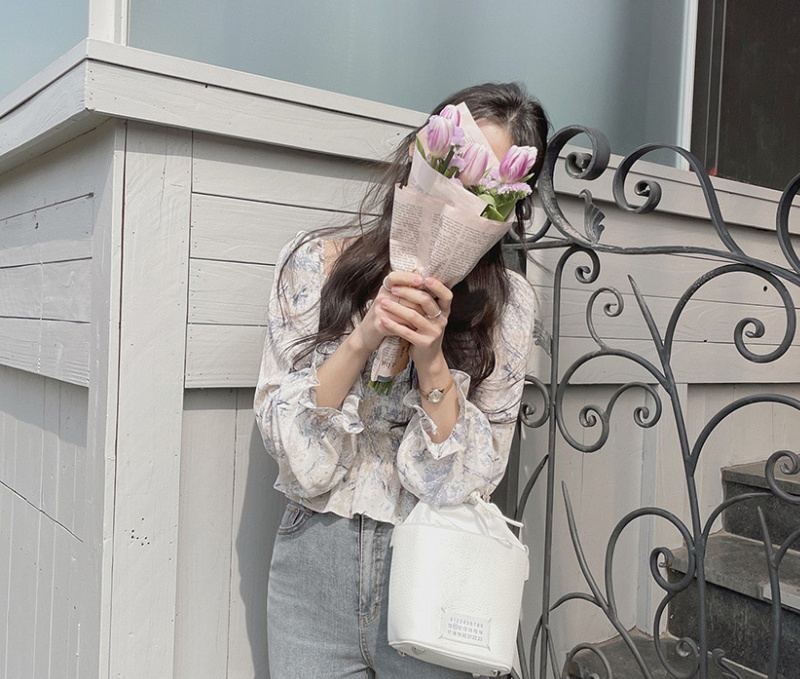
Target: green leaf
pixel 448 158
pixel 491 213
pixel 382 387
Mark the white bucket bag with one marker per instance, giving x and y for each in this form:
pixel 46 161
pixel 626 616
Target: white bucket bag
pixel 455 587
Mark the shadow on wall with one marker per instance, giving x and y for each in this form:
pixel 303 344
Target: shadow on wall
pixel 261 514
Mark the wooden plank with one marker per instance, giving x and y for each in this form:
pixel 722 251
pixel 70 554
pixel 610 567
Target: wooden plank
pixel 73 440
pixel 225 167
pixel 196 71
pixel 37 417
pixel 57 291
pixel 6 535
pixel 625 229
pixel 229 293
pixel 53 233
pixel 8 431
pixel 65 351
pixel 23 575
pixel 65 631
pixel 176 102
pixel 206 534
pixel 57 106
pixel 219 355
pixel 101 405
pixel 667 275
pixel 223 355
pixel 67 500
pixel 24 414
pixel 51 448
pixel 248 231
pixel 44 599
pixel 150 402
pixel 701 321
pixel 62 175
pixel 692 362
pixel 681 194
pixel 257 511
pixel 85 627
pixel 51 348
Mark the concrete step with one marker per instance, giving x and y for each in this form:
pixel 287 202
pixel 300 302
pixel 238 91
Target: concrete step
pixel 739 603
pixel 782 518
pixel 586 665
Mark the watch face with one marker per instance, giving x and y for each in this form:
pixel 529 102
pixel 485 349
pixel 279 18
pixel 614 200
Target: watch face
pixel 435 395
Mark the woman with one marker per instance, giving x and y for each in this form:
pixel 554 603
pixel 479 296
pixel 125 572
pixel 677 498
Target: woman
pixel 353 463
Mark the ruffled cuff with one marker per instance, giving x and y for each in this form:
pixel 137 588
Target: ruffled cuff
pixel 454 443
pixel 346 418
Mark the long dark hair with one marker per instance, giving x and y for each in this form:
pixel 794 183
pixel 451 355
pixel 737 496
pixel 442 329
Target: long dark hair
pixel 478 300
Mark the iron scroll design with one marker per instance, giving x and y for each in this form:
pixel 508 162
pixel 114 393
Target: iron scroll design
pixel 582 248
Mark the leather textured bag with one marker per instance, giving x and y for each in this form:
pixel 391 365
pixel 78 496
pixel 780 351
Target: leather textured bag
pixel 455 587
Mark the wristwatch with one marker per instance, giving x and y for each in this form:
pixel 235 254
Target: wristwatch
pixel 436 395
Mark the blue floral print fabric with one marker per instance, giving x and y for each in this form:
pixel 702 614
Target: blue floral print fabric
pixel 374 455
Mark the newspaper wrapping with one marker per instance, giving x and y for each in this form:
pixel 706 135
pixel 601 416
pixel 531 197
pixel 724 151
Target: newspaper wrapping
pixel 436 230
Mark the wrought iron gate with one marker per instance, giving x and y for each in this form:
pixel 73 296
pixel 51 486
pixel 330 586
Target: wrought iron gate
pixel 581 248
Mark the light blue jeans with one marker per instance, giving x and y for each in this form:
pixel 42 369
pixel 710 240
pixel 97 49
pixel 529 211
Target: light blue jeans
pixel 328 598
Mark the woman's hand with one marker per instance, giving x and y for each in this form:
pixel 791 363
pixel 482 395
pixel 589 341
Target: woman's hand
pixel 415 309
pixel 410 307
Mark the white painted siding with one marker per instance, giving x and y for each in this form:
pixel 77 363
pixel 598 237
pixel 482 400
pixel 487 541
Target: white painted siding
pixel 155 252
pixel 228 517
pixel 49 562
pixel 53 483
pixel 248 201
pixel 47 213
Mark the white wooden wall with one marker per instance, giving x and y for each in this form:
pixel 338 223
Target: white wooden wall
pixel 194 513
pixel 52 472
pixel 48 596
pixel 248 200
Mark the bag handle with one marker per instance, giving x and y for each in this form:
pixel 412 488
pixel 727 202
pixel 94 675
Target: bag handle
pixel 476 499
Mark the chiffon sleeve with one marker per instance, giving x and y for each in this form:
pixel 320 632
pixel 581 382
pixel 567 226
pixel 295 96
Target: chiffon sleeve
pixel 475 455
pixel 313 446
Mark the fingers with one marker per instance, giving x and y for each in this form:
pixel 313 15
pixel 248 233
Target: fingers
pixel 409 278
pixel 395 324
pixel 430 296
pixel 440 292
pixel 413 307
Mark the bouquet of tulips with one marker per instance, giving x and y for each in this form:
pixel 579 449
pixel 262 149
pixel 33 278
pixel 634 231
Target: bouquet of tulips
pixel 471 166
pixel 457 204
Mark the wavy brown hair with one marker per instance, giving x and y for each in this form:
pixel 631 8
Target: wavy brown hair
pixel 478 300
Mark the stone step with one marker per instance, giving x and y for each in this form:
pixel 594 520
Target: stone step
pixel 586 665
pixel 739 603
pixel 782 518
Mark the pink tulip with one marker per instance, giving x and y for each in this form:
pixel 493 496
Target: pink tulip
pixel 474 162
pixel 517 163
pixel 451 113
pixel 440 136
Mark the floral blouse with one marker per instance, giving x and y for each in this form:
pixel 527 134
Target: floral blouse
pixel 362 458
